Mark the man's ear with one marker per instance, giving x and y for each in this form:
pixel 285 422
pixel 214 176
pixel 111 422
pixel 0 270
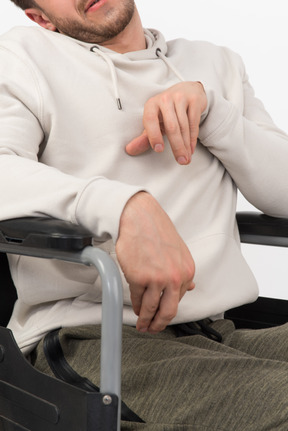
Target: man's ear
pixel 36 15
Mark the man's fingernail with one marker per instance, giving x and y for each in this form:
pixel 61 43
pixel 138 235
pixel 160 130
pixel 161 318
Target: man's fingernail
pixel 182 160
pixel 158 148
pixel 143 329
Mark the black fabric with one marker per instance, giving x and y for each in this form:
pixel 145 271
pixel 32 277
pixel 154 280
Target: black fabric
pixel 8 292
pixel 63 371
pixel 201 327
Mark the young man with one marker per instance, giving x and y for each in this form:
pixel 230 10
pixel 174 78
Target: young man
pixel 85 99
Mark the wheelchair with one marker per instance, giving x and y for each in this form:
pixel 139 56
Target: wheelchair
pixel 33 401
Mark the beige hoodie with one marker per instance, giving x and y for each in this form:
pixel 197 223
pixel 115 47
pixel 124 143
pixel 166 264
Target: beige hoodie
pixel 62 147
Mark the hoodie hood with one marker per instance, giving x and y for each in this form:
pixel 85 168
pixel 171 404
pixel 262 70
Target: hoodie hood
pixel 154 40
pixel 156 48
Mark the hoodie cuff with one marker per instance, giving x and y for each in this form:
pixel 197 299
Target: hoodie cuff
pixel 99 206
pixel 215 118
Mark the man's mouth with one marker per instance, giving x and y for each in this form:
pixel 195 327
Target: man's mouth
pixel 90 4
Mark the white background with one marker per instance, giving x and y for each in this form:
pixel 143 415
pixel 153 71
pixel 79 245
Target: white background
pixel 258 31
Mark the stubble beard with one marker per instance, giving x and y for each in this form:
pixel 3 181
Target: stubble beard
pixel 115 22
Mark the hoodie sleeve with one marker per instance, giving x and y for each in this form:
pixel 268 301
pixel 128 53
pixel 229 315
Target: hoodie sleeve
pixel 31 188
pixel 252 149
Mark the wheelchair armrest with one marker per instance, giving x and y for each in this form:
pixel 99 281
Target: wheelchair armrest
pixel 56 239
pixel 258 228
pixel 42 233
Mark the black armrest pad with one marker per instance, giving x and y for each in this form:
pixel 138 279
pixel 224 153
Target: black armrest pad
pixel 263 313
pixel 43 232
pixel 258 228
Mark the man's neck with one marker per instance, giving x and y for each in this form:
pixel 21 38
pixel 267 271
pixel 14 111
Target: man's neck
pixel 132 38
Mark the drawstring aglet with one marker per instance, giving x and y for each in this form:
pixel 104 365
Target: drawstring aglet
pixel 119 104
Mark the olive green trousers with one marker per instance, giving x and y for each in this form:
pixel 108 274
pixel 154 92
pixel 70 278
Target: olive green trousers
pixel 192 383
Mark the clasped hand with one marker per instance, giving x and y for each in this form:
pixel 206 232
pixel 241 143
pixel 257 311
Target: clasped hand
pixel 155 261
pixel 176 113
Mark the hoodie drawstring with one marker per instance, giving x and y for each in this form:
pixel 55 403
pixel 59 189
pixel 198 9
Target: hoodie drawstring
pixel 113 74
pixel 112 69
pixel 169 64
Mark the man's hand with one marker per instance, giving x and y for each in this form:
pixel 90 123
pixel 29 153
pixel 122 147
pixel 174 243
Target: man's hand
pixel 175 113
pixel 156 262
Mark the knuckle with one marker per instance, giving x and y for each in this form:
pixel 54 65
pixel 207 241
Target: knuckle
pixel 178 97
pixel 194 97
pixel 165 98
pixel 176 280
pixel 159 279
pixel 190 272
pixel 149 116
pixel 169 314
pixel 182 128
pixel 194 126
pixel 171 127
pixel 137 281
pixel 152 308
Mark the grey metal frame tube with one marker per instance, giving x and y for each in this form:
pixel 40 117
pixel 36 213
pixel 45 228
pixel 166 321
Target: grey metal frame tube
pixel 111 330
pixel 112 308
